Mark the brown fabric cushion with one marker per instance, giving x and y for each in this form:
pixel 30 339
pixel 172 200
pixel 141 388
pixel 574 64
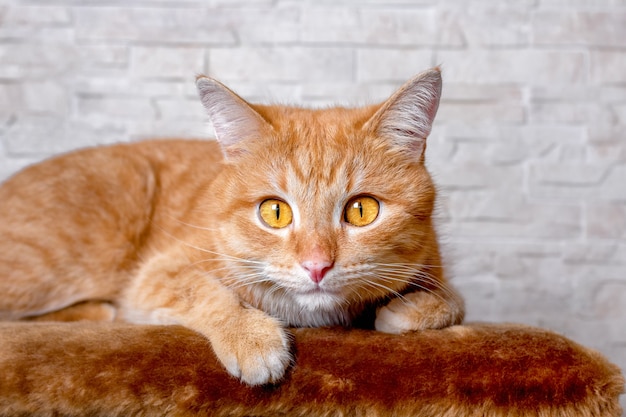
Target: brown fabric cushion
pixel 472 370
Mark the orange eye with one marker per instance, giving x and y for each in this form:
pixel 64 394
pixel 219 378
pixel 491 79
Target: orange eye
pixel 275 213
pixel 361 211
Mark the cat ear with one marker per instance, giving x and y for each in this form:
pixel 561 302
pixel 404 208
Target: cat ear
pixel 407 116
pixel 235 122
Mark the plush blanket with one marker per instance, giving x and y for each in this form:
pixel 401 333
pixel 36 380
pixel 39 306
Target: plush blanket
pixel 76 369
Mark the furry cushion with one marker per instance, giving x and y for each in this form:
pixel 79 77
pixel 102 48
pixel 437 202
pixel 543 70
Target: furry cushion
pixel 473 370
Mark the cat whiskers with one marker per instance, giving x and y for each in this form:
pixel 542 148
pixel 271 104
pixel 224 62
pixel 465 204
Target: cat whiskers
pixel 232 279
pixel 238 263
pixel 414 275
pixel 377 285
pixel 177 220
pixel 355 290
pixel 416 271
pixel 413 284
pixel 189 245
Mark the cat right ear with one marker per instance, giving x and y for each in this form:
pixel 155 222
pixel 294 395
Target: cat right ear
pixel 235 122
pixel 406 118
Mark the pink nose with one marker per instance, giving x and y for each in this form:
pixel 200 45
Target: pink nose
pixel 317 269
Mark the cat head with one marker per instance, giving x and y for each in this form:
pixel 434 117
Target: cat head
pixel 322 211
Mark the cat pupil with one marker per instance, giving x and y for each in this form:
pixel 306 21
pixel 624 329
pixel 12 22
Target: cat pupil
pixel 276 209
pixel 359 206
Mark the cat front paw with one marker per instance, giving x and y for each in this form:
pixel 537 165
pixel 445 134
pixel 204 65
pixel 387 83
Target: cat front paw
pixel 418 311
pixel 253 347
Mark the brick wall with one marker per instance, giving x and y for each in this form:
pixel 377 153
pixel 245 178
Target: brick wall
pixel 529 148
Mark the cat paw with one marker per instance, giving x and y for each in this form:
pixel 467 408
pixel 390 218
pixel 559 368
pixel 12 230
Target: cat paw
pixel 418 311
pixel 253 347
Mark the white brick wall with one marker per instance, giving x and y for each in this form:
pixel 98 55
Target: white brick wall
pixel 529 148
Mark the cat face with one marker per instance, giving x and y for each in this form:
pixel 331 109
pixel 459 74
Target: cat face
pixel 322 210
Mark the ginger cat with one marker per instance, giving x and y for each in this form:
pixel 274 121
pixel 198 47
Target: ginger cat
pixel 294 217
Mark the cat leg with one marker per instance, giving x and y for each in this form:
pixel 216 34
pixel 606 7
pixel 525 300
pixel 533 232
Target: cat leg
pixel 421 310
pixel 85 311
pixel 251 345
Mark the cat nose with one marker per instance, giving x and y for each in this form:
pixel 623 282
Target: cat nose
pixel 317 268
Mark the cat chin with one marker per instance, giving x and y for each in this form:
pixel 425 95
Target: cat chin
pixel 318 300
pixel 307 309
pixel 316 309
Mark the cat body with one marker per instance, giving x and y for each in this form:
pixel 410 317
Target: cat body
pixel 294 217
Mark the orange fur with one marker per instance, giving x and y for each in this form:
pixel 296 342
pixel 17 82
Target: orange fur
pixel 167 232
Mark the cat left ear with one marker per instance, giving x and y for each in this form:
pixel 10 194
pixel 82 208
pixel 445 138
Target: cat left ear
pixel 406 118
pixel 234 120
